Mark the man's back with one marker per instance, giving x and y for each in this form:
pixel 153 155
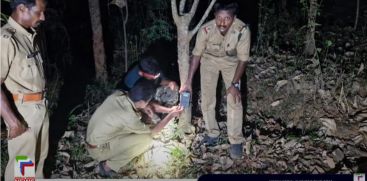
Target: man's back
pixel 116 115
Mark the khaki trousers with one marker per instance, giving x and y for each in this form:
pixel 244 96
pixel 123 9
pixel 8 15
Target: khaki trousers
pixel 209 73
pixel 122 149
pixel 32 142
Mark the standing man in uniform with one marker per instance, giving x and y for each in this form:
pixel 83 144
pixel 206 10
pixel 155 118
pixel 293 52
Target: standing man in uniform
pixel 23 76
pixel 116 134
pixel 222 46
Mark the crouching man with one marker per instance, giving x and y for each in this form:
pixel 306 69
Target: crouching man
pixel 116 134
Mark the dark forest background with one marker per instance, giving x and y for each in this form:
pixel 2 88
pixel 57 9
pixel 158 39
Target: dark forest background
pixel 292 92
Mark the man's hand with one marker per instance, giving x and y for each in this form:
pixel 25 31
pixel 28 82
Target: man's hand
pixel 16 129
pixel 235 93
pixel 15 124
pixel 176 111
pixel 172 85
pixel 173 108
pixel 169 83
pixel 186 87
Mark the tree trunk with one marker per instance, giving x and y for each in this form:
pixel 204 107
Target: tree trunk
pixel 184 35
pixel 183 58
pixel 98 46
pixel 310 46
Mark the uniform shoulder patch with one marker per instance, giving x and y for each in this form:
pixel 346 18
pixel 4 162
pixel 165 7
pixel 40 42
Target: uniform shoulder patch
pixel 241 28
pixel 244 27
pixel 7 32
pixel 207 27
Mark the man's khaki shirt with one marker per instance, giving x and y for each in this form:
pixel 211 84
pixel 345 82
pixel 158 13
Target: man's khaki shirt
pixel 115 117
pixel 234 46
pixel 21 61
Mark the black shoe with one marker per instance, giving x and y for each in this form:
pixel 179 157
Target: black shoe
pixel 210 140
pixel 235 151
pixel 103 173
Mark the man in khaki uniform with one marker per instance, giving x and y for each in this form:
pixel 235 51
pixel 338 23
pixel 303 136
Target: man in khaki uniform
pixel 222 46
pixel 116 134
pixel 23 76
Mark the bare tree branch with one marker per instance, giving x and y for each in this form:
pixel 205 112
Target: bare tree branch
pixel 193 31
pixel 119 3
pixel 127 14
pixel 193 9
pixel 182 6
pixel 357 16
pixel 125 36
pixel 174 11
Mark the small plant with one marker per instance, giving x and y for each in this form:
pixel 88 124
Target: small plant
pixel 78 152
pixel 179 163
pixel 328 43
pixel 254 142
pixel 313 135
pixel 292 136
pixel 177 153
pixel 73 119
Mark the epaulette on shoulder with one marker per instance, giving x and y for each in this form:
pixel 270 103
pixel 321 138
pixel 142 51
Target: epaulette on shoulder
pixel 241 27
pixel 244 27
pixel 7 32
pixel 208 27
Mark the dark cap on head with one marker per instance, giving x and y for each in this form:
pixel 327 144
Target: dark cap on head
pixel 149 65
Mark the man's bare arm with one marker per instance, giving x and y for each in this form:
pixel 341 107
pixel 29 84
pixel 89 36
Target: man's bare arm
pixel 241 67
pixel 174 113
pixel 169 83
pixel 159 108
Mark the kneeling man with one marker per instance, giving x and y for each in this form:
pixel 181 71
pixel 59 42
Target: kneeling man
pixel 116 134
